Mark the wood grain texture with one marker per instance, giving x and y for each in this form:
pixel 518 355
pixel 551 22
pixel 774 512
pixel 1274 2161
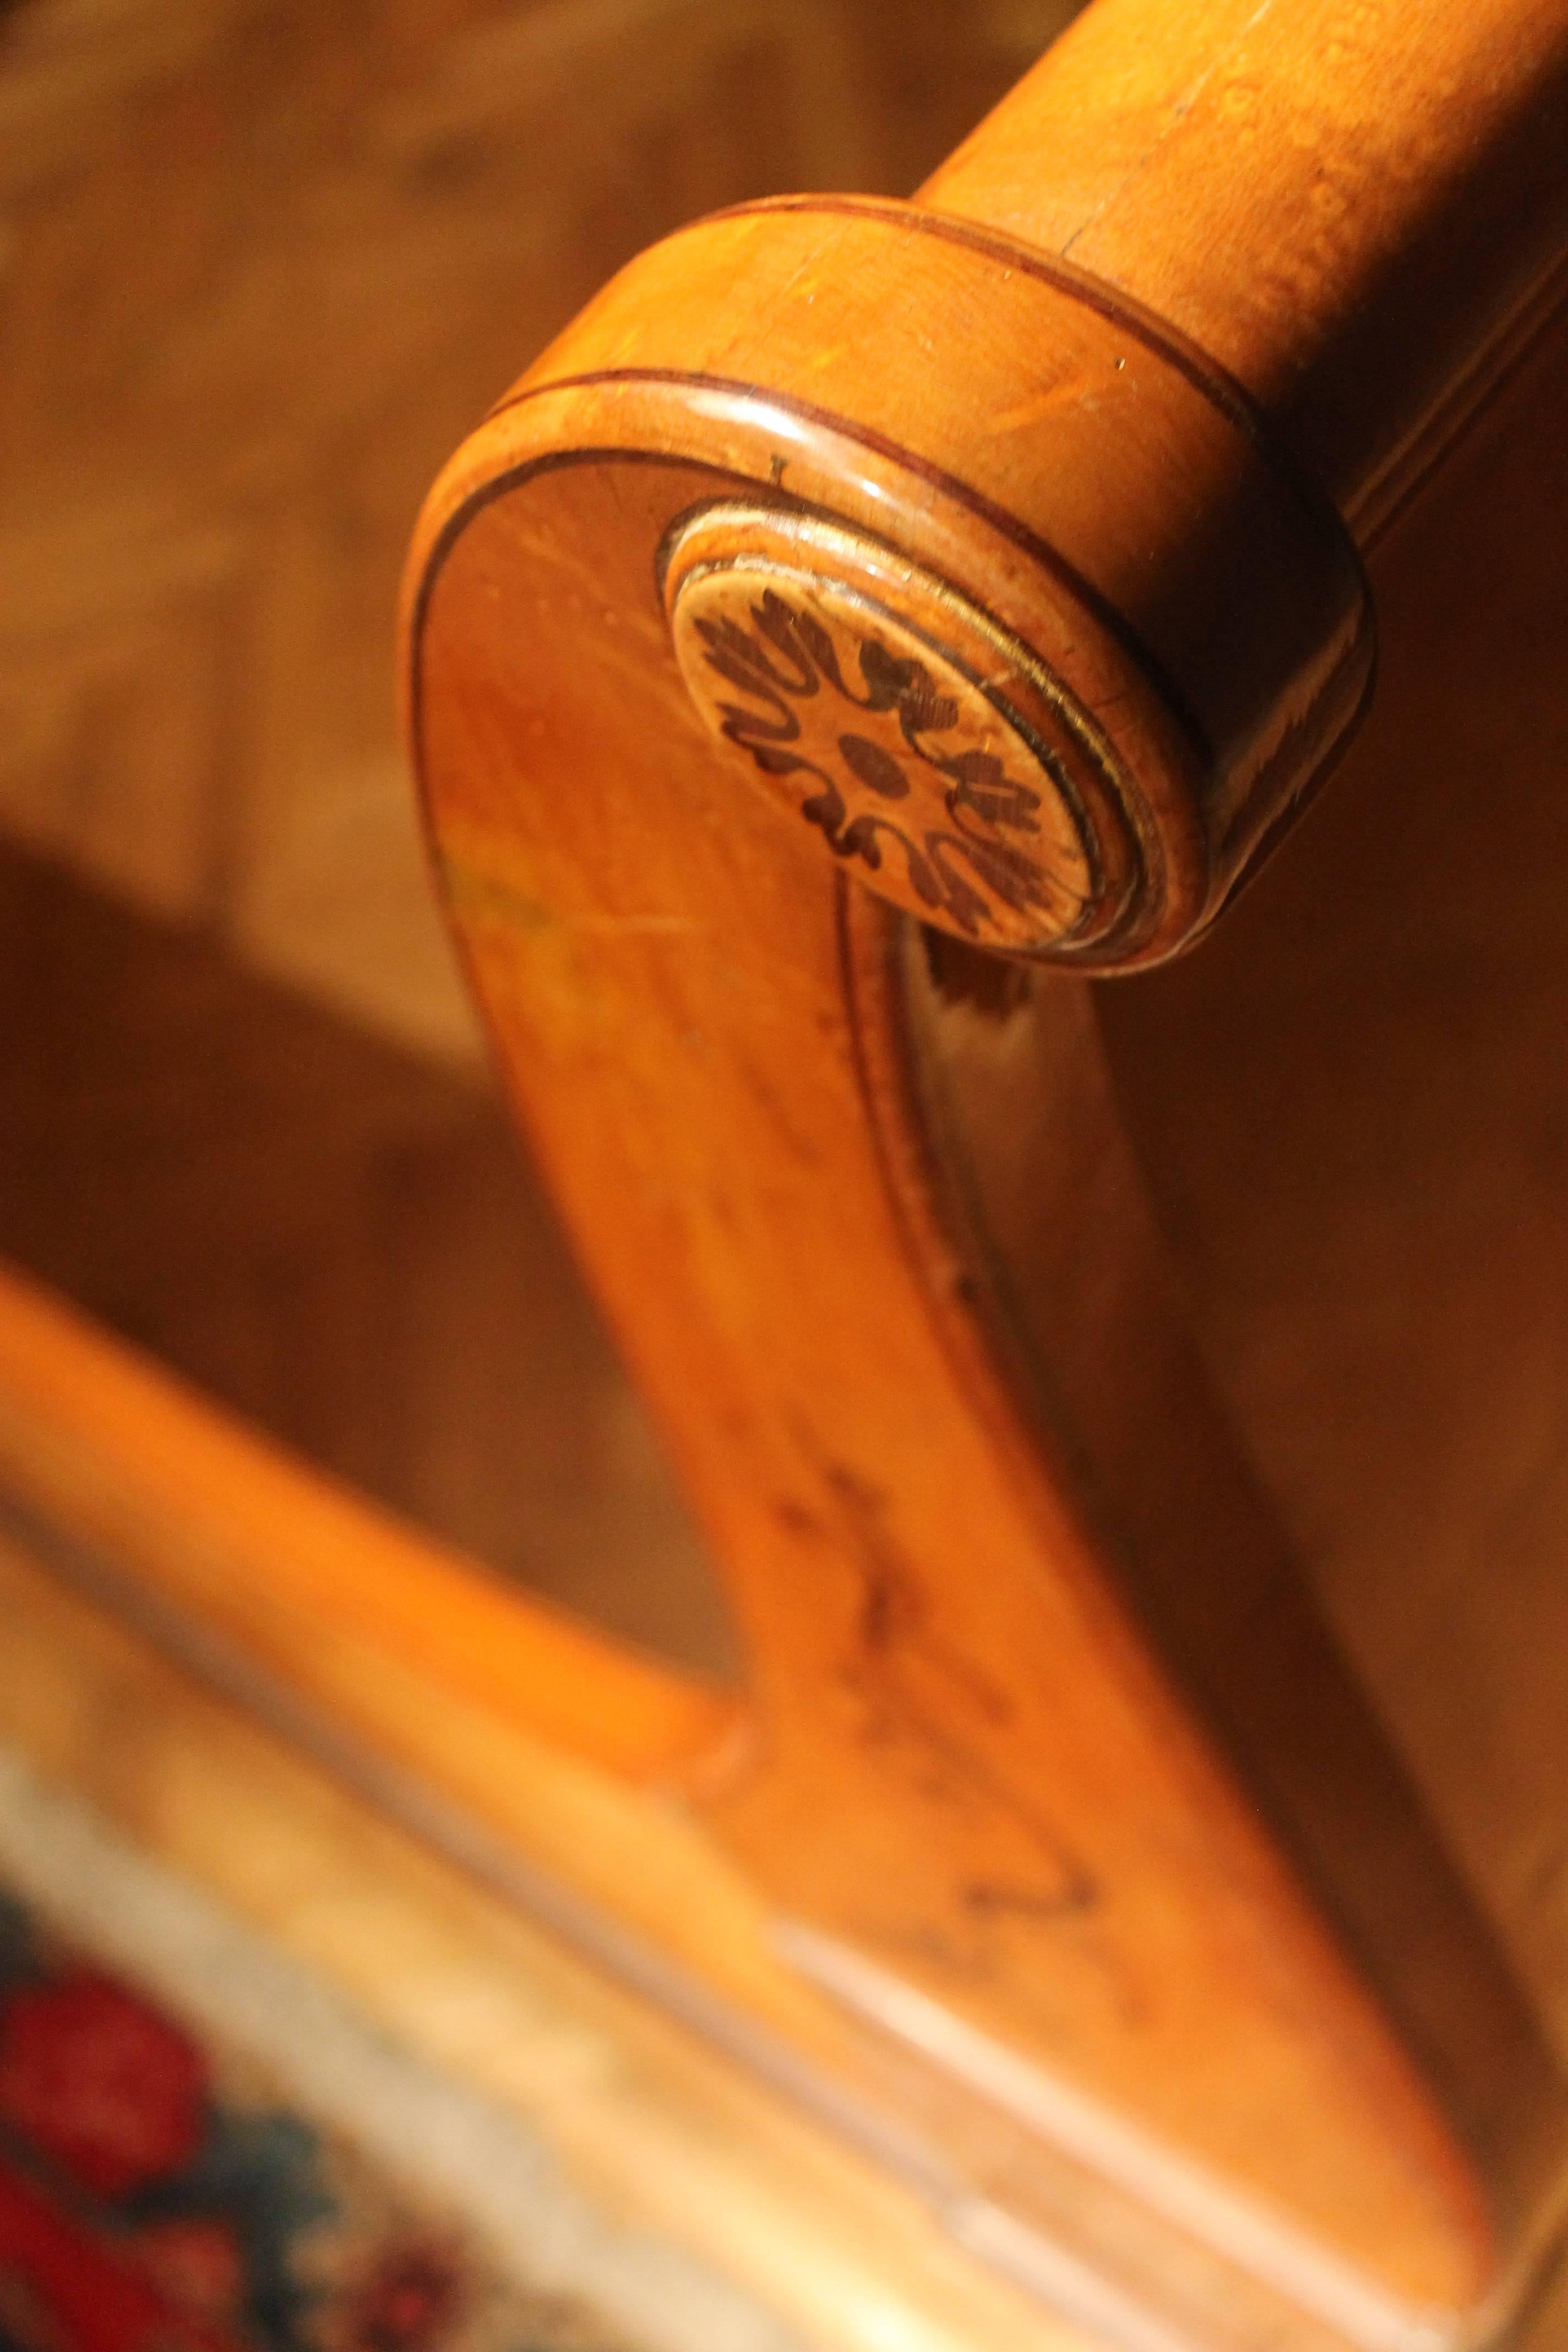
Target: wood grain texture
pixel 1391 213
pixel 926 761
pixel 1089 1316
pixel 537 1765
pixel 1096 1939
pixel 1022 1820
pixel 134 1461
pixel 998 1761
pixel 1196 603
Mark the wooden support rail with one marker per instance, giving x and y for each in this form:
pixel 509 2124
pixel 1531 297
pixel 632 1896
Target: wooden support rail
pixel 1358 212
pixel 1003 552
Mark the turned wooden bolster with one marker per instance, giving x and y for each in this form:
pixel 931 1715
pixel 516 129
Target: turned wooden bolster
pixel 1025 600
pixel 1005 593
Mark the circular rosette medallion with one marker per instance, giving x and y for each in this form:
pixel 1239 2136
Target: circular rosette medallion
pixel 934 755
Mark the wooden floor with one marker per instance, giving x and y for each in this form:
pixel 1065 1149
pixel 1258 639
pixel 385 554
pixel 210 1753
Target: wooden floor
pixel 265 264
pixel 335 1238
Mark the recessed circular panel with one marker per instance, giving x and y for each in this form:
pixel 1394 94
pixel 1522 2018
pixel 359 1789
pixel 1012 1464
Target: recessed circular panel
pixel 924 744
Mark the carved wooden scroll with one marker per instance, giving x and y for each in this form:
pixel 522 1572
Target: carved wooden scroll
pixel 858 596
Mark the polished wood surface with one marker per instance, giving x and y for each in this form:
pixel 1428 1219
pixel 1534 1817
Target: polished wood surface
pixel 260 278
pixel 538 1767
pixel 1357 210
pixel 1002 1763
pixel 942 1675
pixel 999 556
pixel 205 491
pixel 1125 520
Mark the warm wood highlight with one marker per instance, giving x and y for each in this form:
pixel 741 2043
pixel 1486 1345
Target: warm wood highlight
pixel 1196 601
pixel 242 1536
pixel 1058 1776
pixel 124 1495
pixel 868 622
pixel 1357 210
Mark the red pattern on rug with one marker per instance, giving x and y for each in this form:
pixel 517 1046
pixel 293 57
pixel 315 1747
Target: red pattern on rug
pixel 156 2196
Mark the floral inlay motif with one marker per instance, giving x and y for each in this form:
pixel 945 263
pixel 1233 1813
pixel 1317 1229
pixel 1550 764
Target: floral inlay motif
pixel 886 740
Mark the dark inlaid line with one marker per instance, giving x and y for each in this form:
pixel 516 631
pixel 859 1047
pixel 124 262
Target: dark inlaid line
pixel 1205 374
pixel 1005 524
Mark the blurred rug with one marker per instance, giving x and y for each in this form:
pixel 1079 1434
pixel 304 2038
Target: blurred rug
pixel 204 2149
pixel 158 2195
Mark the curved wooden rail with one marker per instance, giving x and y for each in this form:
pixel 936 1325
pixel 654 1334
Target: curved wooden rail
pixel 983 551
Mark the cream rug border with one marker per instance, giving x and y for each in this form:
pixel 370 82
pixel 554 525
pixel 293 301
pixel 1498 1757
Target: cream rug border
pixel 436 2136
